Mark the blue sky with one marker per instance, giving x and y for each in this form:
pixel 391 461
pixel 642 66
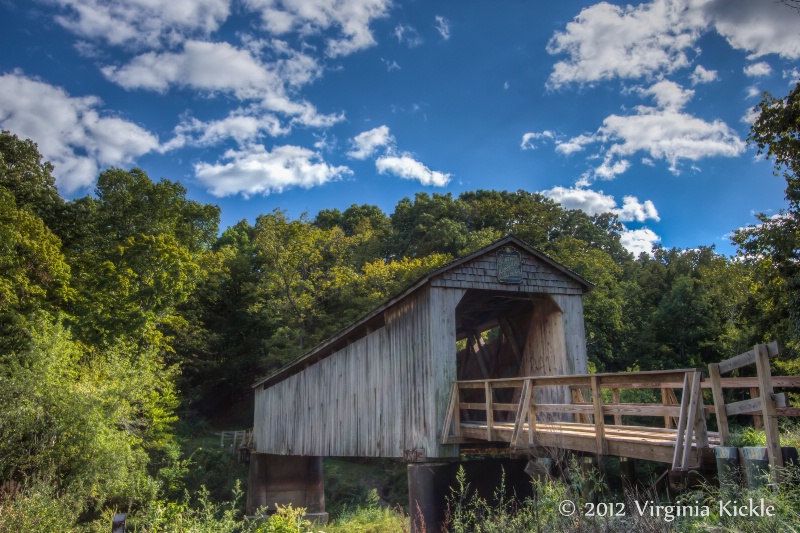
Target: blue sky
pixel 640 109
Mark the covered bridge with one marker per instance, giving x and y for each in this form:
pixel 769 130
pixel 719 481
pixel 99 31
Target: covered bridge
pixel 381 387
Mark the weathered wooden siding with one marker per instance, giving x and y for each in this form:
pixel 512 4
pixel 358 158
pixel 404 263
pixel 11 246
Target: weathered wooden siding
pixel 384 394
pixel 481 273
pixel 544 353
pixel 574 332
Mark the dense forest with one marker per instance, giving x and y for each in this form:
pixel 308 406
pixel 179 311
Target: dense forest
pixel 127 316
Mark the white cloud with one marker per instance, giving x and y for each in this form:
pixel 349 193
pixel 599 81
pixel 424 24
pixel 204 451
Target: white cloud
pixel 406 167
pixel 659 37
pixel 759 28
pixel 222 68
pixel 351 17
pixel 528 138
pixel 792 75
pixel 366 143
pixel 638 241
pixel 596 202
pixel 390 65
pixel 606 41
pixel 443 27
pixel 663 132
pixel 407 35
pixel 701 75
pixel 213 67
pixel 668 94
pixel 761 68
pixel 141 22
pixel 242 125
pixel 753 91
pixel 255 170
pixel 576 144
pixel 751 115
pixel 73 133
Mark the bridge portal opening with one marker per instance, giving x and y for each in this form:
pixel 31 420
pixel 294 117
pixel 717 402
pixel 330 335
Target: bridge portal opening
pixel 507 335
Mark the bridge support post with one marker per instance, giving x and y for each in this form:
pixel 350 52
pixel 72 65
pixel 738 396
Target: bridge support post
pixel 429 486
pixel 287 479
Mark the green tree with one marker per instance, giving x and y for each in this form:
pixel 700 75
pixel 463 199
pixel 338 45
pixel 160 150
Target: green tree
pixel 772 247
pixel 28 178
pixel 141 258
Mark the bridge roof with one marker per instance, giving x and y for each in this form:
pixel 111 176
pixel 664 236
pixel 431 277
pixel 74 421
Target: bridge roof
pixel 374 319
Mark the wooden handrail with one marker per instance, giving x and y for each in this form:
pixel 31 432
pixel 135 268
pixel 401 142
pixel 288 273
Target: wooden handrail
pixel 526 410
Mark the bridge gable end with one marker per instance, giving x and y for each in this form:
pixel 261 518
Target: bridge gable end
pixel 511 268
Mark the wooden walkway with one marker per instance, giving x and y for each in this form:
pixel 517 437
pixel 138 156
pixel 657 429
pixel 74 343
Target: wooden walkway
pixel 596 421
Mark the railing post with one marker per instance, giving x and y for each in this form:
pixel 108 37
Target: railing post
pixel 531 413
pixel 677 458
pixel 599 425
pixel 522 411
pixel 690 421
pixel 719 403
pixel 489 412
pixel 769 411
pixel 615 397
pixel 665 400
pixel 453 415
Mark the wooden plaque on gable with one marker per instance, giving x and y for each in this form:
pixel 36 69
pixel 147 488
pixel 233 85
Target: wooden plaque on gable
pixel 509 265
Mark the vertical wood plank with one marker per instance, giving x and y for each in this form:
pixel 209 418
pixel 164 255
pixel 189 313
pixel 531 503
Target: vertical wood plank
pixel 522 411
pixel 690 421
pixel 665 400
pixel 615 397
pixel 677 457
pixel 489 412
pixel 599 424
pixel 758 421
pixel 769 411
pixel 719 403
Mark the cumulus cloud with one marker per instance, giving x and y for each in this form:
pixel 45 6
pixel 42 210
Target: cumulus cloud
pixel 751 115
pixel 443 27
pixel 223 68
pixel 761 68
pixel 663 132
pixel 212 67
pixel 73 133
pixel 139 23
pixel 406 167
pixel 366 143
pixel 606 41
pixel 400 164
pixel 638 241
pixel 242 125
pixel 254 170
pixel 575 144
pixel 659 37
pixel 596 202
pixel 701 75
pixel 759 28
pixel 668 94
pixel 529 138
pixel 351 17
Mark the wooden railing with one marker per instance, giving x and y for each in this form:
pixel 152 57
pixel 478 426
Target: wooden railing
pixel 526 413
pixel 234 440
pixel 764 405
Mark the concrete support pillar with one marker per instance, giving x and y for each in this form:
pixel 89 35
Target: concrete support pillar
pixel 286 479
pixel 627 471
pixel 429 486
